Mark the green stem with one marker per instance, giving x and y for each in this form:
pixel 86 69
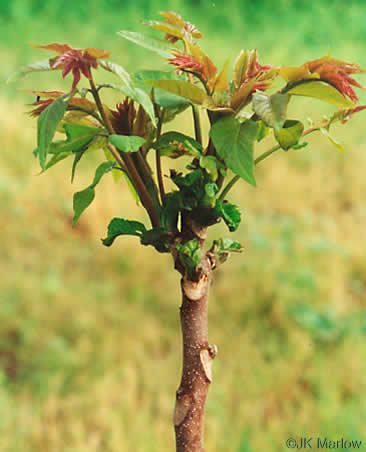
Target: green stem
pixel 197 124
pixel 228 187
pixel 266 154
pixel 158 157
pixel 106 120
pixel 95 115
pixel 132 171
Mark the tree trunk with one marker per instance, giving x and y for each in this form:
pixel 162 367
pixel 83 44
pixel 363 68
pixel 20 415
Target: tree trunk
pixel 197 357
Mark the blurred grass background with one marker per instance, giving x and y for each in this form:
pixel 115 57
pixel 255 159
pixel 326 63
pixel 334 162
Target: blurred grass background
pixel 89 339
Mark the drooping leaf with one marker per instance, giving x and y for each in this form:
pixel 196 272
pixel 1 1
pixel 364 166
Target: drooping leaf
pixel 234 144
pixel 48 121
pixel 80 140
pixel 159 46
pixel 290 134
pixel 77 159
pixel 138 95
pixel 229 213
pixel 119 226
pixel 336 143
pixel 183 89
pixel 126 143
pixel 43 65
pixel 58 158
pixel 322 91
pixel 144 100
pixel 271 109
pixel 84 198
pixel 117 70
pixel 81 201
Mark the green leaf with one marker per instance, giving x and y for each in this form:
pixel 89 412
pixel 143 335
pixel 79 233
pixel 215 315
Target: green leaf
pixel 183 89
pixel 322 91
pixel 58 158
pixel 47 124
pixel 161 97
pixel 84 198
pixel 169 212
pixel 102 169
pixel 43 65
pixel 190 255
pixel 117 174
pixel 271 109
pixel 138 95
pixel 234 144
pixel 165 27
pixel 119 226
pixel 77 159
pixel 117 70
pixel 300 145
pixel 167 144
pixel 222 248
pixel 194 191
pixel 229 245
pixel 126 143
pixel 159 46
pixel 262 132
pixel 212 165
pixel 144 100
pixel 290 134
pixel 81 201
pixel 336 143
pixel 78 136
pixel 230 214
pixel 159 238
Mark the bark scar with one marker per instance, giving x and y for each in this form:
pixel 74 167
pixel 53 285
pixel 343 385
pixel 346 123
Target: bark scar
pixel 195 290
pixel 182 404
pixel 206 361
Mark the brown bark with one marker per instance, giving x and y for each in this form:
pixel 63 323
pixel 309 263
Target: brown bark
pixel 197 354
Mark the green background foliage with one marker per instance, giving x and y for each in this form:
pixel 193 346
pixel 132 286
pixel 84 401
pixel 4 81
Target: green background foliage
pixel 89 334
